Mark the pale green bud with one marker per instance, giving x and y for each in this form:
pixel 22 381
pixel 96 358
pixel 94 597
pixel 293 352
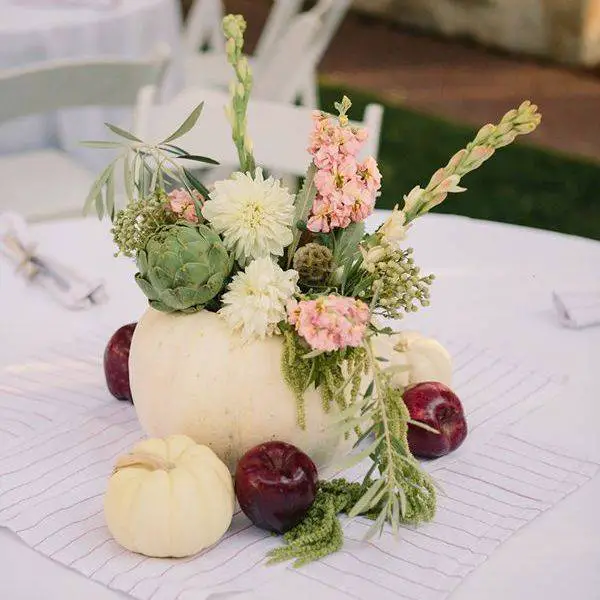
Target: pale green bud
pixel 230 48
pixel 485 132
pixel 243 67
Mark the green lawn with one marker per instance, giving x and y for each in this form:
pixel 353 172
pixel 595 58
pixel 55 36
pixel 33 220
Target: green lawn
pixel 520 184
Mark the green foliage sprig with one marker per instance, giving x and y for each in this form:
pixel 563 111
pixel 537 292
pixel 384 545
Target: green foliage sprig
pixel 234 27
pixel 147 168
pixel 402 492
pixel 337 375
pixel 320 532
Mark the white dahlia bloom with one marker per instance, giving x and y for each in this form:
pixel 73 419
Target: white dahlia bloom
pixel 254 215
pixel 257 297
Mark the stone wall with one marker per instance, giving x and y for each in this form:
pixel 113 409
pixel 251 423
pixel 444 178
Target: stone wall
pixel 564 30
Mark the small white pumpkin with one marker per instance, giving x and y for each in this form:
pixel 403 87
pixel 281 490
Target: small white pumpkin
pixel 169 498
pixel 190 374
pixel 425 359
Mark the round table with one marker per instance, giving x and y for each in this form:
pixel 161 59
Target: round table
pixel 33 33
pixel 494 285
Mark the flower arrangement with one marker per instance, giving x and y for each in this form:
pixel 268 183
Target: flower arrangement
pixel 302 267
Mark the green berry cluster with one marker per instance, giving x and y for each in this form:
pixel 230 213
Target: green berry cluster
pixel 398 285
pixel 138 221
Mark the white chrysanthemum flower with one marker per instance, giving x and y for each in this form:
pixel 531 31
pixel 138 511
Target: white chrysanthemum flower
pixel 256 299
pixel 253 214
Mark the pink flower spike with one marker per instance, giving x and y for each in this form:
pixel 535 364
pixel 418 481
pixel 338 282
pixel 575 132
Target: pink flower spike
pixel 346 190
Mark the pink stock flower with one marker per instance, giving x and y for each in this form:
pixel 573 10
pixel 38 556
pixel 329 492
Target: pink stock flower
pixel 334 210
pixel 369 173
pixel 352 139
pixel 360 200
pixel 326 157
pixel 325 182
pixel 182 204
pixel 335 178
pixel 346 189
pixel 329 134
pixel 331 322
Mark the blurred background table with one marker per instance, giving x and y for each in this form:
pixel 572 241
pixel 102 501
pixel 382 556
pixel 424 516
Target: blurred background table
pixel 33 34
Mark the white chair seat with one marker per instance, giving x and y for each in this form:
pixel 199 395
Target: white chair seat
pixel 43 184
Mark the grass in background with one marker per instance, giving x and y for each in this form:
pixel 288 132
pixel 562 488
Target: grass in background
pixel 520 184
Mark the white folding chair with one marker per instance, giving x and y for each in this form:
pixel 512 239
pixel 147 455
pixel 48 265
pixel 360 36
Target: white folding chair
pixel 279 132
pixel 47 183
pixel 310 32
pixel 282 12
pixel 203 27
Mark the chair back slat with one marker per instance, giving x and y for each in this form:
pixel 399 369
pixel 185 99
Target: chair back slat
pixel 56 85
pixel 203 26
pixel 295 54
pixel 280 16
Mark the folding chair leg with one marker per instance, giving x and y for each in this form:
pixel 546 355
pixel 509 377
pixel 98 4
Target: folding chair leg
pixel 309 96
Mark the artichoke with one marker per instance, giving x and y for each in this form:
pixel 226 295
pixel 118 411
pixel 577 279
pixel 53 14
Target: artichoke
pixel 182 267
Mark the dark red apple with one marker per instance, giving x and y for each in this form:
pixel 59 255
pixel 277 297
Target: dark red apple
pixel 116 362
pixel 436 405
pixel 275 484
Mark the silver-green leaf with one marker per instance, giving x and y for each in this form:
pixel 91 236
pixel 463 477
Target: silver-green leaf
pixel 358 457
pixel 377 527
pixel 96 189
pixel 303 205
pixel 100 144
pixel 123 133
pixel 364 503
pixel 186 125
pixel 128 177
pixel 110 197
pixel 346 243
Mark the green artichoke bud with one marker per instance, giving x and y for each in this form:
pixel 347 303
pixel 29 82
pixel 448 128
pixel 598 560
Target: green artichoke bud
pixel 314 263
pixel 182 267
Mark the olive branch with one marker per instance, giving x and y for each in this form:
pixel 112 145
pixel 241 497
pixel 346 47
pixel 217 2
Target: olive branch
pixel 397 490
pixel 146 168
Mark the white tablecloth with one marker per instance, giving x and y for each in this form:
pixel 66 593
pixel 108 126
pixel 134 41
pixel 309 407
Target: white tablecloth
pixel 32 34
pixel 494 285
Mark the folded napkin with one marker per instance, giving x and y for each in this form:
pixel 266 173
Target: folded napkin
pixel 578 308
pixel 62 283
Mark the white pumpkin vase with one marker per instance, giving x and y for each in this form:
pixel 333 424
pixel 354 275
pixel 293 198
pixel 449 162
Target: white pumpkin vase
pixel 424 359
pixel 191 375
